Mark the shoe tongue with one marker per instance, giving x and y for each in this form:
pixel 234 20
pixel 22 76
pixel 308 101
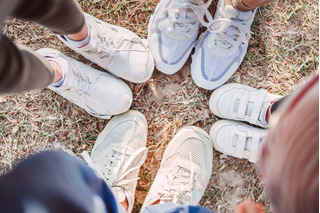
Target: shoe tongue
pixel 233 13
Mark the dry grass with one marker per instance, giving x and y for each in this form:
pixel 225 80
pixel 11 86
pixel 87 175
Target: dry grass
pixel 282 52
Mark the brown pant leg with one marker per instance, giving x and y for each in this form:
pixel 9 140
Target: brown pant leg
pixel 20 68
pixel 60 16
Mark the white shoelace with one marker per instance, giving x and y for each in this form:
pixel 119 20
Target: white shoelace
pixel 174 193
pixel 115 157
pixel 109 41
pixel 184 16
pixel 229 33
pixel 83 87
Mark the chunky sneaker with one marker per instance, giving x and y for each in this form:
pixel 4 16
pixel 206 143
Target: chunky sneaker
pixel 173 30
pixel 117 50
pixel 100 94
pixel 241 102
pixel 119 152
pixel 222 47
pixel 185 169
pixel 237 139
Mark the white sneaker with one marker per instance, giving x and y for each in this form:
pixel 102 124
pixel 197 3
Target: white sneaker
pixel 222 47
pixel 185 169
pixel 119 152
pixel 116 49
pixel 173 30
pixel 237 139
pixel 242 103
pixel 99 93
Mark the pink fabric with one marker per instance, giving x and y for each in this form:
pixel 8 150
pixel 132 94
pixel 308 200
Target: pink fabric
pixel 289 161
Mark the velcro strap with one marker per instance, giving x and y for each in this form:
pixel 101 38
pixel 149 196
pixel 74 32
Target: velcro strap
pixel 258 102
pixel 255 147
pixel 241 143
pixel 243 102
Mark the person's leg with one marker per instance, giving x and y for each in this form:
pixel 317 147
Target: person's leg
pixel 54 182
pixel 60 16
pixel 247 5
pixel 184 172
pixel 20 68
pixel 274 106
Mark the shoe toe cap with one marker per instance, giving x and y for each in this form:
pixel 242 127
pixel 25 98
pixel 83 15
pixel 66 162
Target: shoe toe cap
pixel 134 66
pixel 219 133
pixel 112 94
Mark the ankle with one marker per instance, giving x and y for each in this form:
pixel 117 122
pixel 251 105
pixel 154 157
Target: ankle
pixel 155 203
pixel 125 204
pixel 268 113
pixel 80 35
pixel 58 73
pixel 239 5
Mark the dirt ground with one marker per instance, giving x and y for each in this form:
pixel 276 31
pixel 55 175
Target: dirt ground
pixel 283 52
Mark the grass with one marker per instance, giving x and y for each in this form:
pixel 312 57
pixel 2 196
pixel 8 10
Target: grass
pixel 283 52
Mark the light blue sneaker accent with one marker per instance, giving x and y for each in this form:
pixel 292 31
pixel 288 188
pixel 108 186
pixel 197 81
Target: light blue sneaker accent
pixel 173 30
pixel 222 47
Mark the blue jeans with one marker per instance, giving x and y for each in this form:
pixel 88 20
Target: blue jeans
pixel 57 182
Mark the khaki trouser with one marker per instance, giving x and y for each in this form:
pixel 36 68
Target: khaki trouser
pixel 20 68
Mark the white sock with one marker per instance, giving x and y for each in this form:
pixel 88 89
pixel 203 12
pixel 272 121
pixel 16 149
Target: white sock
pixel 79 44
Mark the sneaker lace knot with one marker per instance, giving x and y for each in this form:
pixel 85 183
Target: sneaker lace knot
pixel 185 16
pixel 181 183
pixel 229 33
pixel 122 161
pixel 109 42
pixel 84 86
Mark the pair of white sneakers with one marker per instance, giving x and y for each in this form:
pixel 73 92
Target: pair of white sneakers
pixel 119 51
pixel 185 167
pixel 173 30
pixel 241 103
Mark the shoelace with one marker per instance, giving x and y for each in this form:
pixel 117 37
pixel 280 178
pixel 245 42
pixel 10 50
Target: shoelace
pixel 110 42
pixel 107 47
pixel 83 87
pixel 184 19
pixel 175 194
pixel 116 165
pixel 240 32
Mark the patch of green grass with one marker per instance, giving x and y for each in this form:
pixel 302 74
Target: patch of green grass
pixel 88 137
